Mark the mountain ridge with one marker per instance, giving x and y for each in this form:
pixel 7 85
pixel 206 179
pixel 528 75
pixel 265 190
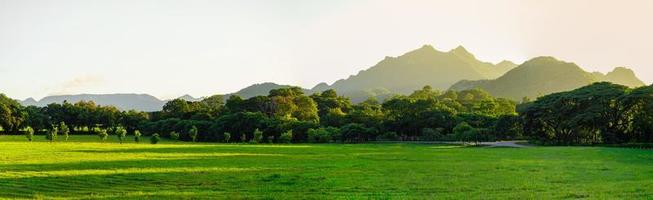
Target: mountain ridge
pixel 545 75
pixel 454 69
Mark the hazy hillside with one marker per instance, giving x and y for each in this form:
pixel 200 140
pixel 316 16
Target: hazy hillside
pixel 622 76
pixel 545 75
pixel 260 89
pixel 189 98
pixel 415 69
pixel 142 102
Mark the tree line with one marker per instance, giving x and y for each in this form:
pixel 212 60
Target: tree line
pixel 601 113
pixel 285 115
pixel 595 114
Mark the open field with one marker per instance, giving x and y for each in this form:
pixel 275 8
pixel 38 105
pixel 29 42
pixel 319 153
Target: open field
pixel 83 168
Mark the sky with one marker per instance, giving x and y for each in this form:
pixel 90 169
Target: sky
pixel 203 47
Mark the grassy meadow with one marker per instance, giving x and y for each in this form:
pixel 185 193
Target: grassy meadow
pixel 84 168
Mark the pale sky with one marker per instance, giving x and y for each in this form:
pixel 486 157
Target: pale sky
pixel 171 48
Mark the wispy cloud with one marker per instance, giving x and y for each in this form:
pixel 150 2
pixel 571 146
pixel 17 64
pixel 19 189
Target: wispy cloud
pixel 78 84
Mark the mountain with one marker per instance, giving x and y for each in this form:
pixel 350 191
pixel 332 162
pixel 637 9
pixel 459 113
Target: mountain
pixel 415 69
pixel 29 102
pixel 141 102
pixel 260 89
pixel 622 76
pixel 189 98
pixel 545 75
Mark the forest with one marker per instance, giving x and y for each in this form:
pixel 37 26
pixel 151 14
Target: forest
pixel 600 113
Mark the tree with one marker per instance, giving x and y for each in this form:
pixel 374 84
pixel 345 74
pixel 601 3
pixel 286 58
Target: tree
pixel 226 136
pixel 52 134
pixel 193 133
pixel 137 136
pixel 465 133
pixel 12 115
pixel 322 134
pixel 121 133
pixel 132 119
pixel 29 133
pixel 37 118
pixel 355 132
pixel 64 130
pixel 258 136
pixel 155 138
pixel 102 134
pixel 598 113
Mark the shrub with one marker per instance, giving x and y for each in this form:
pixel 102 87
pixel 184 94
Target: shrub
pixel 52 134
pixel 286 137
pixel 137 136
pixel 155 138
pixel 226 136
pixel 102 133
pixel 465 133
pixel 174 136
pixel 121 133
pixel 320 135
pixel 29 133
pixel 355 132
pixel 334 132
pixel 64 130
pixel 258 136
pixel 193 133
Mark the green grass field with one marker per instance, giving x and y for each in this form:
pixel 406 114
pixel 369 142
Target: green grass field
pixel 83 168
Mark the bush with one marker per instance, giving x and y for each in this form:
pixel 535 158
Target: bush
pixel 137 136
pixel 226 136
pixel 121 133
pixel 258 136
pixel 465 133
pixel 193 133
pixel 155 138
pixel 102 133
pixel 320 135
pixel 29 133
pixel 52 134
pixel 286 137
pixel 174 136
pixel 355 132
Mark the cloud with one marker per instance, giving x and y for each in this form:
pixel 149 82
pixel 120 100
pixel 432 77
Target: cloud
pixel 78 84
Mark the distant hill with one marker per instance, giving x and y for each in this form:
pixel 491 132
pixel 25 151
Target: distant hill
pixel 620 75
pixel 141 102
pixel 415 69
pixel 545 75
pixel 260 89
pixel 189 98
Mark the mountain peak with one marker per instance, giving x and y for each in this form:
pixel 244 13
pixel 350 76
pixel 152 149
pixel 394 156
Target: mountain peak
pixel 29 102
pixel 622 70
pixel 461 51
pixel 506 63
pixel 624 76
pixel 187 97
pixel 320 87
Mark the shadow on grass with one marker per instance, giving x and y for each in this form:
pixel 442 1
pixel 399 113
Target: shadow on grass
pixel 208 161
pixel 158 185
pixel 171 149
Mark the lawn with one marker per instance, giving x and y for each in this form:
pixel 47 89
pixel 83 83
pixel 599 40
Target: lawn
pixel 85 168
